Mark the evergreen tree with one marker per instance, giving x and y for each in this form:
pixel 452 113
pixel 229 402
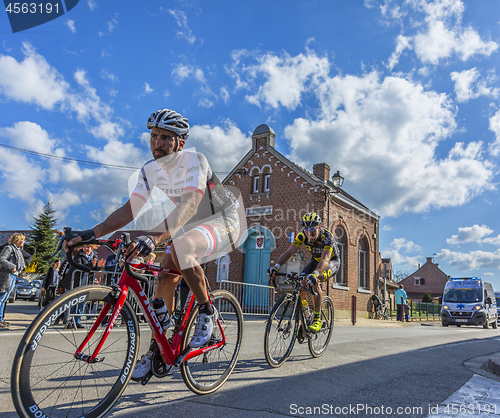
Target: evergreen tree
pixel 427 298
pixel 42 239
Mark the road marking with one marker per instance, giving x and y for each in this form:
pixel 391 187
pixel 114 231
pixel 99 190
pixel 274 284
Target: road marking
pixel 477 396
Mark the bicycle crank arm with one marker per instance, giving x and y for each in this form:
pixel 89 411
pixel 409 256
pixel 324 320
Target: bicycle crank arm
pixel 88 359
pixel 180 358
pixel 146 378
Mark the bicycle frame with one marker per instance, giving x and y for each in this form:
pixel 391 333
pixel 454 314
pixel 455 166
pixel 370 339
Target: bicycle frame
pixel 170 352
pixel 298 306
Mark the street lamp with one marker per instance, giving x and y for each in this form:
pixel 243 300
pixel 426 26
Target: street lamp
pixel 338 180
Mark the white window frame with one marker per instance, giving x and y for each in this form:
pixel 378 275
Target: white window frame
pixel 267 182
pixel 419 281
pixel 255 188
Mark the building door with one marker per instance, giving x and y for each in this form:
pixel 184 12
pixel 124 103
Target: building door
pixel 257 261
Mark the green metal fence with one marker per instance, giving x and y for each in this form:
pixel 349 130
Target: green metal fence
pixel 419 311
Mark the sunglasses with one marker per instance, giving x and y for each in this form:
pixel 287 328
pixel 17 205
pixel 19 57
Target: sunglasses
pixel 313 229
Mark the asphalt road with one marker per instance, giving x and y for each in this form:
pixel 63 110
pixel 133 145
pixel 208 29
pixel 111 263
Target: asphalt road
pixel 413 367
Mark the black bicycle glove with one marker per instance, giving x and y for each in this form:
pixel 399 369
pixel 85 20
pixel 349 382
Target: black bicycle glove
pixel 145 244
pixel 312 279
pixel 86 235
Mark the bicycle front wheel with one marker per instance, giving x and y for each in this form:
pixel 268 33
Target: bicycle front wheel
pixel 208 372
pixel 281 331
pixel 319 340
pixel 47 379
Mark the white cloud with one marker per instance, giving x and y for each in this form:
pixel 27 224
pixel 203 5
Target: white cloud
pixel 286 78
pixel 111 24
pixel 383 135
pixel 63 201
pixel 495 128
pixel 147 88
pixel 181 72
pixel 32 80
pixel 206 97
pixel 29 135
pixel 467 85
pixel 184 32
pixel 224 94
pixel 473 233
pixel 440 35
pixel 395 250
pixel 211 140
pixel 402 43
pixel 105 74
pixel 71 25
pixel 92 5
pixel 474 260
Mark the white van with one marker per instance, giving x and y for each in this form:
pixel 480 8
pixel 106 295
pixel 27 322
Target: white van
pixel 469 301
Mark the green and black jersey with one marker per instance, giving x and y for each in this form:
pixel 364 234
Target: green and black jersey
pixel 325 241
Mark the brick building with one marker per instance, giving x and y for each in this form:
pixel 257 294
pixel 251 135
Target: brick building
pixel 276 193
pixel 427 279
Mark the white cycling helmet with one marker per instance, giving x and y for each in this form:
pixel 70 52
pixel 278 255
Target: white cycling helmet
pixel 170 120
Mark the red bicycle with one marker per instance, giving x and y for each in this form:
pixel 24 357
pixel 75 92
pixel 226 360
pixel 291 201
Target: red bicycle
pixel 83 372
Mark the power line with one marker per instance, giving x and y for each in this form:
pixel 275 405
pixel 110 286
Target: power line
pixel 56 157
pixel 83 162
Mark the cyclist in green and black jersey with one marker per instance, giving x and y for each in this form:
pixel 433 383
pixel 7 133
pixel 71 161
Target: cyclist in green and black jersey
pixel 324 263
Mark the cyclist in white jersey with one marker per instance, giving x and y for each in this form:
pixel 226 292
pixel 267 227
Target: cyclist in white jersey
pixel 204 221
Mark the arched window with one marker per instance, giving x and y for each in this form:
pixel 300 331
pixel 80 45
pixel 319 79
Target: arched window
pixel 223 262
pixel 363 263
pixel 255 175
pixel 340 236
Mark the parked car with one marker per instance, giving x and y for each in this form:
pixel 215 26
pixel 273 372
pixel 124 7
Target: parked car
pixel 25 290
pixel 38 285
pixel 497 297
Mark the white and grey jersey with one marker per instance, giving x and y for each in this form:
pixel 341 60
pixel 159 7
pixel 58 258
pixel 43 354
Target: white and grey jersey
pixel 192 172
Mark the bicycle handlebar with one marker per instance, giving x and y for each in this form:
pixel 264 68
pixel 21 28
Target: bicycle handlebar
pixel 69 255
pixel 297 277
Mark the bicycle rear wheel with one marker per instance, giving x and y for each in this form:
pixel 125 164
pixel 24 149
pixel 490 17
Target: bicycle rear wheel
pixel 319 340
pixel 207 372
pixel 47 379
pixel 281 330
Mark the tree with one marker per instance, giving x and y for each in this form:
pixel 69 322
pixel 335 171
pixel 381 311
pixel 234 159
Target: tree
pixel 43 239
pixel 427 298
pixel 398 275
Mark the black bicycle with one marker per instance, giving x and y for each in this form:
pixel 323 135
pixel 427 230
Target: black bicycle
pixel 288 322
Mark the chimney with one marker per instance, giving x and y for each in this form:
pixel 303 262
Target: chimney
pixel 322 170
pixel 429 260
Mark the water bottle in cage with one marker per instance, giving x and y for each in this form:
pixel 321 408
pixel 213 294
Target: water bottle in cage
pixel 161 312
pixel 305 307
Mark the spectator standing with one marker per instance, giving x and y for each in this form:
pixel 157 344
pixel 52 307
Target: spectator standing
pixel 50 283
pixel 73 279
pixel 12 261
pixel 400 296
pixel 407 308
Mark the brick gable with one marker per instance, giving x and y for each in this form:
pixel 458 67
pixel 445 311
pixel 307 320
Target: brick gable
pixel 292 192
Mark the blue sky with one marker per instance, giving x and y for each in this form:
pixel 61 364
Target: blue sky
pixel 401 96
